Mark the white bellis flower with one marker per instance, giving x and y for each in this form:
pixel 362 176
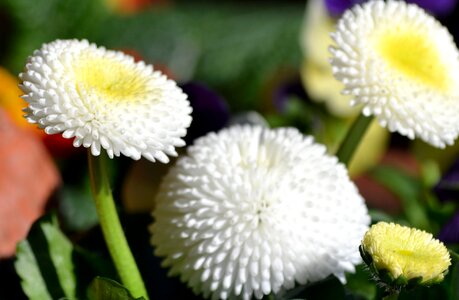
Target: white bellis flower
pixel 250 211
pixel 104 100
pixel 402 66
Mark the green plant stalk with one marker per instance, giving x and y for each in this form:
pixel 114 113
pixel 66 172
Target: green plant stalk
pixel 352 139
pixel 111 227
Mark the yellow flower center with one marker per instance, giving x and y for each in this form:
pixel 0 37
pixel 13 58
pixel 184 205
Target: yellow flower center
pixel 110 79
pixel 412 53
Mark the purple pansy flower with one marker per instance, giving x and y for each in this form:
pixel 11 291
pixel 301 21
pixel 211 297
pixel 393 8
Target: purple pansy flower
pixel 436 7
pixel 210 111
pixel 286 91
pixel 337 7
pixel 449 234
pixel 448 190
pixel 448 187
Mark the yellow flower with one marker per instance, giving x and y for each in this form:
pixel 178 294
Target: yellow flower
pixel 406 255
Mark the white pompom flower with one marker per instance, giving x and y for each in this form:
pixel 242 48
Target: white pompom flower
pixel 104 100
pixel 250 211
pixel 402 65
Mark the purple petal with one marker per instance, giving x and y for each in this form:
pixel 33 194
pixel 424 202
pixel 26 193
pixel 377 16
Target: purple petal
pixel 449 234
pixel 337 7
pixel 448 187
pixel 437 7
pixel 210 111
pixel 284 93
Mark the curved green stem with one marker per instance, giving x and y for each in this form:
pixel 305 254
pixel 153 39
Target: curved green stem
pixel 353 138
pixel 111 227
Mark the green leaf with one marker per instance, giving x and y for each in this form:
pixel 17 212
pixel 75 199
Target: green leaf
pixel 408 190
pixel 454 283
pixel 44 262
pixel 360 283
pixel 77 207
pixel 27 268
pixel 107 289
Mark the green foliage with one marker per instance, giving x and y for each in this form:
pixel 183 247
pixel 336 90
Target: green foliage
pixel 360 283
pixel 194 45
pixel 408 190
pixel 77 207
pixel 44 262
pixel 107 289
pixel 40 21
pixel 454 276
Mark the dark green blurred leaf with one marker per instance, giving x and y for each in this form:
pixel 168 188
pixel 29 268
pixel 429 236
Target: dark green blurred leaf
pixel 408 189
pixel 107 289
pixel 379 216
pixel 360 283
pixel 77 207
pixel 44 262
pixel 328 288
pixel 39 21
pixel 454 271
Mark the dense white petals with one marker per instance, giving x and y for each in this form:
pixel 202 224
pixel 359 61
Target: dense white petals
pixel 104 100
pixel 250 211
pixel 402 66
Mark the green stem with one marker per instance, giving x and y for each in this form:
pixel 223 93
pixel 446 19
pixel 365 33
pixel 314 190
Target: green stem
pixel 353 138
pixel 111 227
pixel 454 256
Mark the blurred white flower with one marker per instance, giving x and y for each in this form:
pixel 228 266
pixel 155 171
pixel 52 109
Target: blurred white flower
pixel 250 211
pixel 402 66
pixel 103 99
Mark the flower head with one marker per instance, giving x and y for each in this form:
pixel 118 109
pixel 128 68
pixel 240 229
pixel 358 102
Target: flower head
pixel 402 66
pixel 250 210
pixel 103 99
pixel 406 255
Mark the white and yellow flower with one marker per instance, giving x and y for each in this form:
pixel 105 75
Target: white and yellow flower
pixel 104 100
pixel 402 66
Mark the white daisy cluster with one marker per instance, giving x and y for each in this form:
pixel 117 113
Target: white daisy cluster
pixel 250 211
pixel 403 66
pixel 103 99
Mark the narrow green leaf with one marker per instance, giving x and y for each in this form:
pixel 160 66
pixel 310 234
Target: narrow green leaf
pixel 107 289
pixel 408 190
pixel 44 262
pixel 27 268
